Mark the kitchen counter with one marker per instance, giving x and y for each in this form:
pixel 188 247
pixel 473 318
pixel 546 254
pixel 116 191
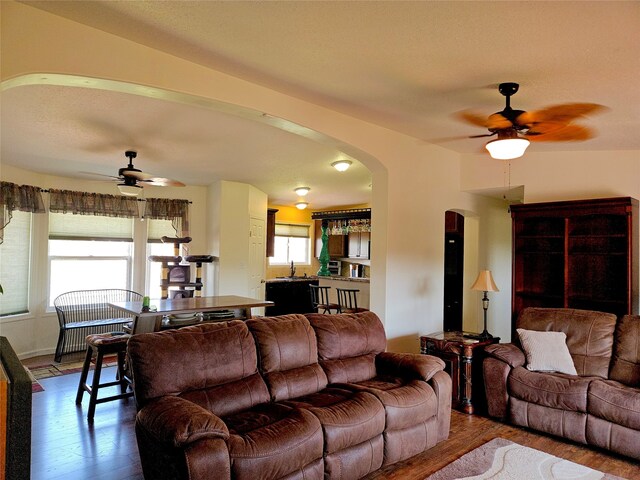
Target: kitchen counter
pixel 315 277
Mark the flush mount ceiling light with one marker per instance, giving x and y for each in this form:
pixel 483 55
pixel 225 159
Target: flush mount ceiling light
pixel 341 165
pixel 302 191
pixel 130 190
pixel 302 205
pixel 507 146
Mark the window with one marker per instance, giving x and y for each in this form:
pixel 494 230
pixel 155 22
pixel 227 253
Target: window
pixel 156 230
pixel 292 244
pixel 89 251
pixel 15 254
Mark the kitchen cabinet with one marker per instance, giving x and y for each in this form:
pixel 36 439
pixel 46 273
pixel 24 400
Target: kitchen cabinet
pixel 289 296
pixel 359 245
pixel 271 231
pixel 336 245
pixel 576 254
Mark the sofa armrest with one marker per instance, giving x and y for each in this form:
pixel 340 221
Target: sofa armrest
pixel 408 365
pixel 507 353
pixel 179 422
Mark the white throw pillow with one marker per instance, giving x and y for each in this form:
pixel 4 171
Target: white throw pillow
pixel 546 351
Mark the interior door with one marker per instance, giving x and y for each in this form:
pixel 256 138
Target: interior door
pixel 257 252
pixel 453 271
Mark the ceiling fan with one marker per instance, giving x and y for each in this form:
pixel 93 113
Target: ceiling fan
pixel 516 128
pixel 132 179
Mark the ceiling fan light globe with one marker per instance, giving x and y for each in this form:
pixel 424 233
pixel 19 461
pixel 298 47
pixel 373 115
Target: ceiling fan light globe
pixel 129 190
pixel 507 148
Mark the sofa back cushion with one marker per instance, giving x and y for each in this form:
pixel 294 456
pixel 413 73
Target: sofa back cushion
pixel 589 334
pixel 195 362
pixel 625 365
pixel 348 345
pixel 288 356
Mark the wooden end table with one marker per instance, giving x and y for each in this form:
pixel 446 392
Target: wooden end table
pixel 463 362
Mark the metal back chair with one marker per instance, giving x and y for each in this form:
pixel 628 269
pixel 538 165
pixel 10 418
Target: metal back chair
pixel 84 312
pixel 348 300
pixel 320 299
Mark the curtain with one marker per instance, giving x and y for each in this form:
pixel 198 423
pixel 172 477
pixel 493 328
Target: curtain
pixel 25 198
pixel 169 209
pixel 84 203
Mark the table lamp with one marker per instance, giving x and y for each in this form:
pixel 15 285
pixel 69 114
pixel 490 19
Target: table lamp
pixel 484 283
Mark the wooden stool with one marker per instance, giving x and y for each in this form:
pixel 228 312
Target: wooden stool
pixel 103 344
pixel 320 299
pixel 348 300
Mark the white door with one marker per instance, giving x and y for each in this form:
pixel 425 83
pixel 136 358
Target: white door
pixel 257 258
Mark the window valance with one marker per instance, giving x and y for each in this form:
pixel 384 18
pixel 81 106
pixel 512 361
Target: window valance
pixel 85 203
pixel 25 198
pixel 169 209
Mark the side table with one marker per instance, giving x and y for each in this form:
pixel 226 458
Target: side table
pixel 463 359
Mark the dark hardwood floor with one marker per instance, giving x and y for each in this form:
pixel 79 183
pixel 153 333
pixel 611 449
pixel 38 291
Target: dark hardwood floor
pixel 65 446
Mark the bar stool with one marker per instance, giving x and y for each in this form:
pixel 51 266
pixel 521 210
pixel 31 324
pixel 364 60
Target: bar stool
pixel 103 344
pixel 348 300
pixel 320 299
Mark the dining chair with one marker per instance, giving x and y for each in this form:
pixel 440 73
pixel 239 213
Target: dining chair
pixel 320 299
pixel 348 300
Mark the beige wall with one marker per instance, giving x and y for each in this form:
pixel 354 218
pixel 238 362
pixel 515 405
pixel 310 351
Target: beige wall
pixel 414 183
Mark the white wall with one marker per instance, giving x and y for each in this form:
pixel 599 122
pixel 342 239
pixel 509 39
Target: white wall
pixel 236 203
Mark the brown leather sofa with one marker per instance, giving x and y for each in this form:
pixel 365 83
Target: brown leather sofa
pixel 600 406
pixel 284 397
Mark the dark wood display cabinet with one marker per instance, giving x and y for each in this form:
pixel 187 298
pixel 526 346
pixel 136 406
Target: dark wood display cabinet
pixel 576 254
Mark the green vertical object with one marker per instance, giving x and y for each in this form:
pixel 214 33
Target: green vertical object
pixel 324 253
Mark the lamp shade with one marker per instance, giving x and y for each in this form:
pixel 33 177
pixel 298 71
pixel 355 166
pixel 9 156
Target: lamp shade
pixel 484 282
pixel 302 191
pixel 507 148
pixel 129 190
pixel 301 205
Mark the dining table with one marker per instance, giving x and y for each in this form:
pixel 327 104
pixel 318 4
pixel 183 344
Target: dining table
pixel 174 312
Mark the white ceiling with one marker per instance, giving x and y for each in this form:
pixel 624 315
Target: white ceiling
pixel 408 66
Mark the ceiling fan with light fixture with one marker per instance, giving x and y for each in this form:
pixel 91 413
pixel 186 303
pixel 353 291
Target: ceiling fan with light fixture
pixel 516 128
pixel 132 179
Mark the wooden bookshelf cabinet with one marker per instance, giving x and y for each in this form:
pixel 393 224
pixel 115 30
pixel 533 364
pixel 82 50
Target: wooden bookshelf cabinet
pixel 576 254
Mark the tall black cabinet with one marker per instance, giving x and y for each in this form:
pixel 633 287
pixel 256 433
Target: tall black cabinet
pixel 576 254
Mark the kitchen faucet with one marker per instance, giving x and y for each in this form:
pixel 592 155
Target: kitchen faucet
pixel 293 270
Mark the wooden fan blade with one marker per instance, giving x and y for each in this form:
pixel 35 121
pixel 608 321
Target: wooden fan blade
pixel 472 118
pixel 567 133
pixel 152 179
pixel 94 174
pixel 498 122
pixel 564 113
pixel 162 182
pixel 492 122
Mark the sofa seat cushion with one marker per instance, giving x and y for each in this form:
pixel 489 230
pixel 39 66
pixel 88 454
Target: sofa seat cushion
pixel 554 390
pixel 406 403
pixel 272 440
pixel 615 402
pixel 347 417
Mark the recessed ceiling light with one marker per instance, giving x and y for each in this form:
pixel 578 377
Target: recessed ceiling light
pixel 341 165
pixel 302 191
pixel 301 205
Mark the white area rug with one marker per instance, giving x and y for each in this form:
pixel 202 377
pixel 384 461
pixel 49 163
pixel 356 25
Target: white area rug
pixel 501 459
